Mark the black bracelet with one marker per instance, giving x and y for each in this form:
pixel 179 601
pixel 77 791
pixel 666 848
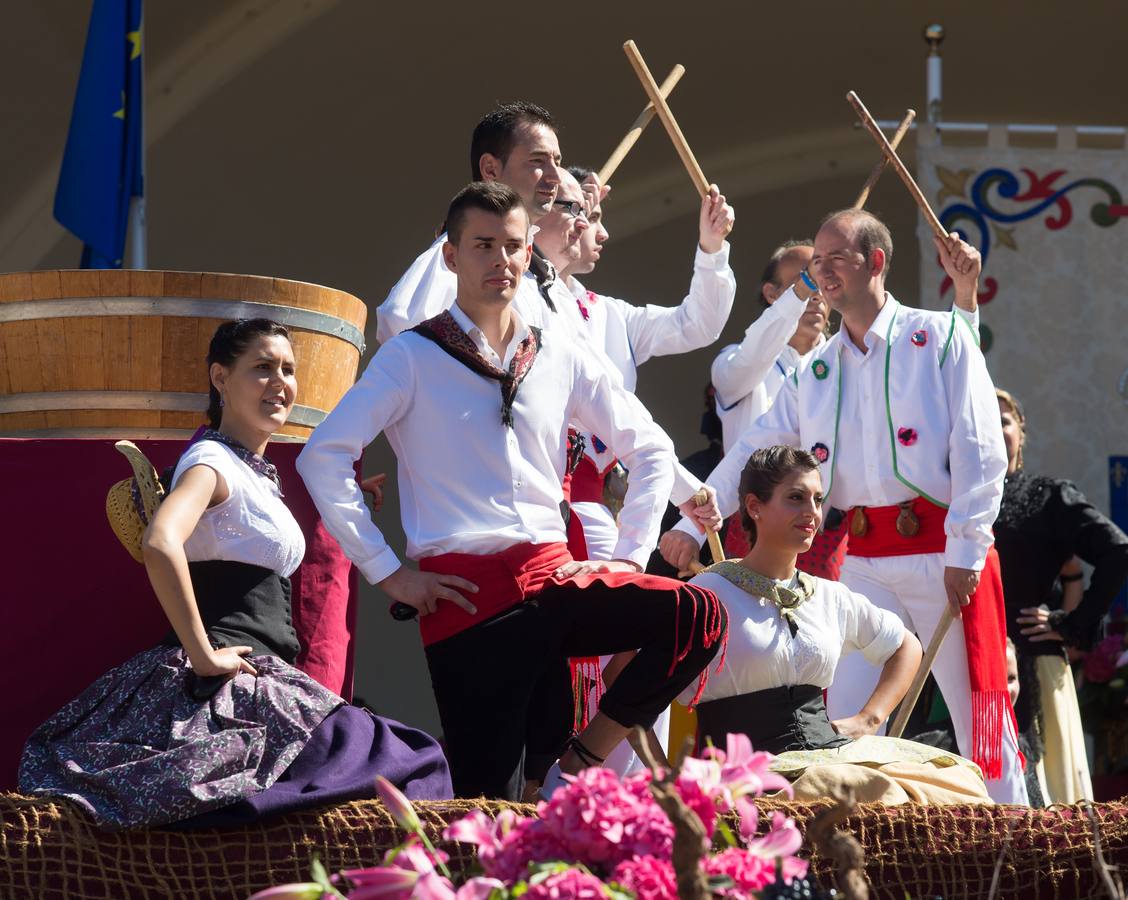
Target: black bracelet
pixel 1065 579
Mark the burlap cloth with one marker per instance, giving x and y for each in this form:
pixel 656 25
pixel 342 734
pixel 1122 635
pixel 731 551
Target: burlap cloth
pixel 52 850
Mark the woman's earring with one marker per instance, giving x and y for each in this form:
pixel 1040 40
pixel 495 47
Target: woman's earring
pixel 221 403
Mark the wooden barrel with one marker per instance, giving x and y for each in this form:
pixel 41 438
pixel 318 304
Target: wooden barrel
pixel 121 353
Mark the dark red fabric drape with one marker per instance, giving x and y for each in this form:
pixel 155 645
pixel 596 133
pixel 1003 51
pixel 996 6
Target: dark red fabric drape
pixel 76 604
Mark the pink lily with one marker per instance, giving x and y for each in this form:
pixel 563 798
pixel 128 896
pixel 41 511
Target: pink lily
pixel 376 881
pixel 783 839
pixel 479 888
pixel 397 805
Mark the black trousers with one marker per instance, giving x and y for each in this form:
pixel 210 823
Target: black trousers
pixel 503 689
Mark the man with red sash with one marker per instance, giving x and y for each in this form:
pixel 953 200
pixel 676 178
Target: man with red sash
pixel 900 409
pixel 476 403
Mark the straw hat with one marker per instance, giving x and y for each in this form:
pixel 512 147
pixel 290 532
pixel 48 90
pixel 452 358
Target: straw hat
pixel 131 504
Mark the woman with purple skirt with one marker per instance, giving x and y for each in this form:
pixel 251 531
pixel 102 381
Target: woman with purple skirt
pixel 215 726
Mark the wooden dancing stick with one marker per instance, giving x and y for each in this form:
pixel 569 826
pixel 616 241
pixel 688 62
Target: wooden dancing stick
pixel 663 111
pixel 913 694
pixel 894 143
pixel 635 131
pixel 899 167
pixel 715 548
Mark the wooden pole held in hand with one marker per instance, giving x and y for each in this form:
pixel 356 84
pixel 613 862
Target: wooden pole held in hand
pixel 635 131
pixel 899 167
pixel 894 143
pixel 663 111
pixel 907 704
pixel 715 548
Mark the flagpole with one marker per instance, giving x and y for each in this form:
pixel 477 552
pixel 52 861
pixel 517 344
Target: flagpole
pixel 138 257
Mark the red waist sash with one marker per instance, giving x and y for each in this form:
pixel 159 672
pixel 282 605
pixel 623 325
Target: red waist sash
pixel 504 579
pixel 883 539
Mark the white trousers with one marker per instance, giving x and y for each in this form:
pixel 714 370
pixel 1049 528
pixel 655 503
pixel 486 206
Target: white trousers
pixel 913 588
pixel 601 534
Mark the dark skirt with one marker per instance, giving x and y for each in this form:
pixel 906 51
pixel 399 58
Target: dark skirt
pixel 136 749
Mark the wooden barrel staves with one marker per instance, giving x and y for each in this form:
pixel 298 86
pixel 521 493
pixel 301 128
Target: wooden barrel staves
pixel 121 353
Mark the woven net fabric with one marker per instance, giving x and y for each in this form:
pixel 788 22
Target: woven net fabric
pixel 53 850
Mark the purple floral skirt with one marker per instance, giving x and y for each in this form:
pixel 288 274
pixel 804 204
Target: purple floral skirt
pixel 135 749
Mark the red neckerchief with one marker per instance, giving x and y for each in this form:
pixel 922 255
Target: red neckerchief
pixel 445 331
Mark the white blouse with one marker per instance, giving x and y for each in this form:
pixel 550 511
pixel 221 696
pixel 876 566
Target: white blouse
pixel 252 525
pixel 763 654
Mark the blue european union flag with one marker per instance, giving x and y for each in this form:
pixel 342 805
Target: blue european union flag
pixel 102 164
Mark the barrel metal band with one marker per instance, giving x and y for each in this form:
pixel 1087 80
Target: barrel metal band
pixel 183 307
pixel 156 401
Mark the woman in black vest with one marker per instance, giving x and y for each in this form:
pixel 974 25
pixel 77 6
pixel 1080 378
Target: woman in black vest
pixel 215 726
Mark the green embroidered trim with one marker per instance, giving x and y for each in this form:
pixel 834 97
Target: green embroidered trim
pixel 889 413
pixel 951 334
pixel 785 599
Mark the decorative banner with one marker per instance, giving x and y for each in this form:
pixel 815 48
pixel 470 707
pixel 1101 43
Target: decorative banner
pixel 1052 225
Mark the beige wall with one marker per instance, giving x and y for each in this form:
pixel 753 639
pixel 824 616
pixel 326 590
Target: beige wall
pixel 321 140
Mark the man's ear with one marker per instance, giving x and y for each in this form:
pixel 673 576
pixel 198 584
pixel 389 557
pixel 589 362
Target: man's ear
pixel 450 256
pixel 770 292
pixel 489 167
pixel 877 262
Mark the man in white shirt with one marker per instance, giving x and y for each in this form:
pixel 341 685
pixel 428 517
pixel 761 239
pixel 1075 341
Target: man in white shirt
pixel 898 406
pixel 630 335
pixel 475 403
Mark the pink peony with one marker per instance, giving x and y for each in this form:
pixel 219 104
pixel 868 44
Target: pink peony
pixel 571 884
pixel 600 821
pixel 647 878
pixel 748 871
pixel 694 796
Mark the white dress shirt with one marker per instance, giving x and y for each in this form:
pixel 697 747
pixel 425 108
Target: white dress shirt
pixel 762 653
pixel 630 335
pixel 467 483
pixel 748 376
pixel 941 389
pixel 428 287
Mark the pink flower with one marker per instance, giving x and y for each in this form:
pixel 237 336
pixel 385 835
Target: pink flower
pixel 571 884
pixel 389 883
pixel 694 796
pixel 783 839
pixel 735 772
pixel 647 878
pixel 479 888
pixel 398 806
pixel 748 871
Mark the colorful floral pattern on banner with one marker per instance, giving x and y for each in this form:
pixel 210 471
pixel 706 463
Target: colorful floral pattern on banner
pixel 1051 225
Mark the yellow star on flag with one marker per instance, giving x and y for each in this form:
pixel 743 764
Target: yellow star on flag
pixel 134 37
pixel 120 114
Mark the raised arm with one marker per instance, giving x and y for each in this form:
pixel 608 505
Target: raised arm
pixel 740 368
pixel 699 319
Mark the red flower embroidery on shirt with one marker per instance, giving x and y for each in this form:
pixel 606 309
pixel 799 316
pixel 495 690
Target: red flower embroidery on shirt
pixel 919 338
pixel 907 436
